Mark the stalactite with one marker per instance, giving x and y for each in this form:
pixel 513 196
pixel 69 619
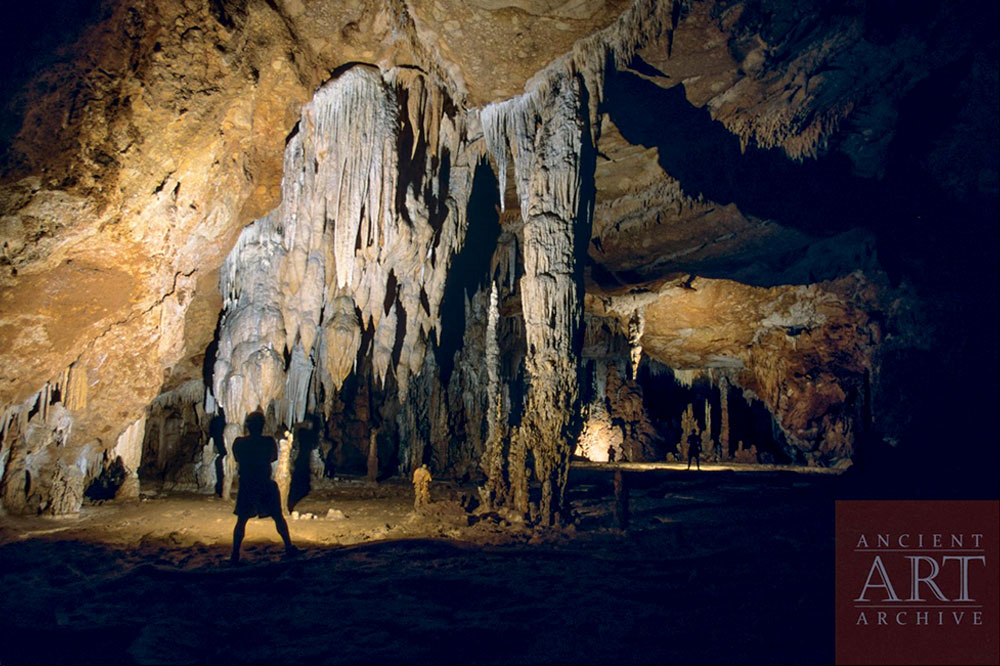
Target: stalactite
pixel 636 326
pixel 360 245
pixel 300 370
pixel 249 369
pixel 686 377
pixel 382 346
pixel 341 340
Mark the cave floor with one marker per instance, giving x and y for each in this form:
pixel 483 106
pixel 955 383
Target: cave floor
pixel 715 567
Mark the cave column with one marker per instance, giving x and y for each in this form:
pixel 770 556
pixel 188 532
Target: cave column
pixel 551 298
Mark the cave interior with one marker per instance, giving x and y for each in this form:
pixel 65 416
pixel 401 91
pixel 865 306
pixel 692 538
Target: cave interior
pixel 525 243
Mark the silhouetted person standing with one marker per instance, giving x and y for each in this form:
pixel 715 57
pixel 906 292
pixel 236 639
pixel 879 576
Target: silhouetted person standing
pixel 694 450
pixel 258 494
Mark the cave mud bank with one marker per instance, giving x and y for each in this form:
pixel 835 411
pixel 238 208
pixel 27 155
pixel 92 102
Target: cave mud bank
pixel 716 567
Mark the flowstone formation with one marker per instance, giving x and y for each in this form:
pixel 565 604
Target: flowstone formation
pixel 353 263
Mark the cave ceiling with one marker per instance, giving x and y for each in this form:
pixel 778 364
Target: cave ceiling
pixel 743 155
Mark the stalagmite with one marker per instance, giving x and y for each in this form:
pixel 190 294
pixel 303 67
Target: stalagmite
pixel 746 455
pixel 689 425
pixel 601 440
pixel 373 457
pixel 493 458
pixel 283 469
pixel 637 436
pixel 707 443
pixel 229 436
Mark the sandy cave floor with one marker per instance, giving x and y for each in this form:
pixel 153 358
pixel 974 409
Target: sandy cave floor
pixel 717 566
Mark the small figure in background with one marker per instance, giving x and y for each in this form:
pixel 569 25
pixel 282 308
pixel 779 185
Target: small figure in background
pixel 421 487
pixel 258 494
pixel 694 449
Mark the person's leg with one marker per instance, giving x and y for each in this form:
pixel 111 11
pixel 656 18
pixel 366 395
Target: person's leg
pixel 238 532
pixel 282 526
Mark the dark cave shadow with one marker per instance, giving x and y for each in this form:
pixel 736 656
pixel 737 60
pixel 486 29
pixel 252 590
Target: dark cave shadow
pixel 470 267
pixel 307 440
pixel 818 197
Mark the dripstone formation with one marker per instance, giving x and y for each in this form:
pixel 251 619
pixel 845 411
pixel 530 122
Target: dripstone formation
pixel 408 246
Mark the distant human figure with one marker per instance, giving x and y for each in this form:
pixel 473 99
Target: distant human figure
pixel 421 487
pixel 258 494
pixel 694 449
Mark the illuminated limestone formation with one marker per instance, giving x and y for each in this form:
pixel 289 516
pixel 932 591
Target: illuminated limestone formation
pixel 351 248
pixel 544 131
pixel 283 470
pixel 746 455
pixel 689 425
pixel 272 207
